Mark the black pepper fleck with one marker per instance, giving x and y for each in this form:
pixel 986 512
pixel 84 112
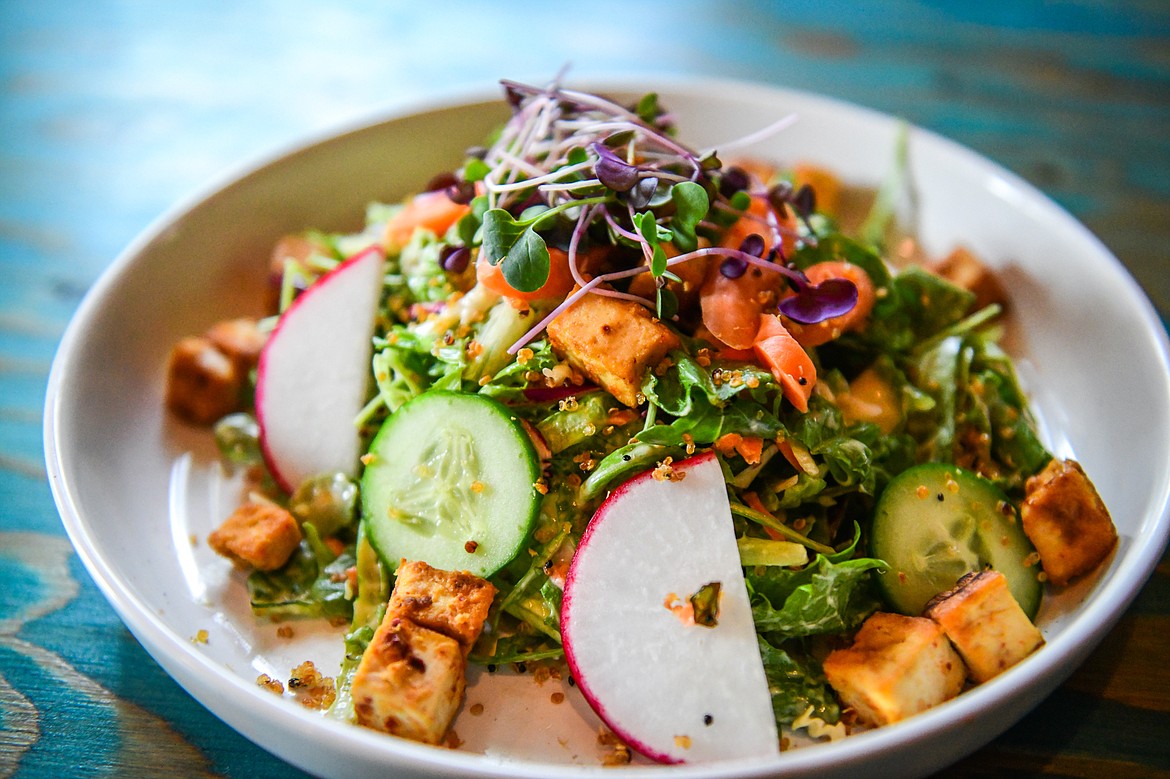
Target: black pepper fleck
pixel 940 497
pixel 708 719
pixel 802 381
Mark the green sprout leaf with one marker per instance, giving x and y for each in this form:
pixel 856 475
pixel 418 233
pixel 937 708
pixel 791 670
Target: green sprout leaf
pixel 667 303
pixel 690 204
pixel 527 262
pixel 518 246
pixel 475 169
pixel 647 108
pixel 658 261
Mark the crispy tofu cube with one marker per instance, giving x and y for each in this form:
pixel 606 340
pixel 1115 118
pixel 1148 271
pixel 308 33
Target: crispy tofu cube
pixel 260 535
pixel 203 384
pixel 897 666
pixel 985 624
pixel 1067 522
pixel 612 341
pixel 962 268
pixel 410 681
pixel 240 340
pixel 454 603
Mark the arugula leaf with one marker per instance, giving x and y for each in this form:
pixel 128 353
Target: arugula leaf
pixel 796 683
pixel 823 597
pixel 311 583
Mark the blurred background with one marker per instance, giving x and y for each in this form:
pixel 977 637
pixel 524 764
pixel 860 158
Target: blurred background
pixel 112 112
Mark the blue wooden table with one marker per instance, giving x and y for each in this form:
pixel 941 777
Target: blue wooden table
pixel 110 111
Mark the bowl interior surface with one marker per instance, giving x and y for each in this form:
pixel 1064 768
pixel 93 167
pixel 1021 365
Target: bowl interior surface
pixel 139 492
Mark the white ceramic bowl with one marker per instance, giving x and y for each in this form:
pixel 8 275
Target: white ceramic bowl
pixel 138 492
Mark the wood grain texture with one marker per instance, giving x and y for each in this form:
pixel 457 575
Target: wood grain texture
pixel 111 111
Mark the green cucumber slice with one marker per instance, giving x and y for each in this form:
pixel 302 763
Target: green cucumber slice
pixel 450 480
pixel 936 522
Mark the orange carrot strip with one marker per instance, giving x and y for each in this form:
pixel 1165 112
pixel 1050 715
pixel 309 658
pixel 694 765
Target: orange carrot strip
pixel 433 211
pixel 787 360
pixel 559 284
pixel 750 448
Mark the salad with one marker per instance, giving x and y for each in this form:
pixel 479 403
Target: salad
pixel 505 422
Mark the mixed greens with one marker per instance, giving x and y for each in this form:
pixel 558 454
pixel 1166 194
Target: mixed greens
pixel 577 195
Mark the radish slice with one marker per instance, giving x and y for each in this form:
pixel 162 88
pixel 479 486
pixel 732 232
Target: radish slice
pixel 673 690
pixel 314 372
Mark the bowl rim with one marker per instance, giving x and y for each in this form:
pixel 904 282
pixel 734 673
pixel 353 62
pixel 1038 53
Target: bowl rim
pixel 251 708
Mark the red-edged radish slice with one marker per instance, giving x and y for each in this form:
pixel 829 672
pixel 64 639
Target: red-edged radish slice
pixel 314 372
pixel 673 690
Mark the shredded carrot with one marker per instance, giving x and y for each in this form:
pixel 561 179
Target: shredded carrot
pixel 753 501
pixel 433 211
pixel 726 443
pixel 560 279
pixel 789 363
pixel 750 448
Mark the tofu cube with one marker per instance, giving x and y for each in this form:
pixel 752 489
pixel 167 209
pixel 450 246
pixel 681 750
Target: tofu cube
pixel 410 681
pixel 612 341
pixel 259 535
pixel 454 603
pixel 203 383
pixel 962 268
pixel 1067 522
pixel 240 340
pixel 897 667
pixel 985 624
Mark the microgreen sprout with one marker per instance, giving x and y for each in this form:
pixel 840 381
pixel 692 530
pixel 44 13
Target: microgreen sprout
pixel 568 161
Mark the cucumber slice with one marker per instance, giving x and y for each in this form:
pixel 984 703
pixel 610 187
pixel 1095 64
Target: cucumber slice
pixel 936 522
pixel 450 481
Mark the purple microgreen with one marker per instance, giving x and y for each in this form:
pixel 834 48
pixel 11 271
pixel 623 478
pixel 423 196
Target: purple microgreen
pixel 733 180
pixel 778 197
pixel 462 192
pixel 513 94
pixel 732 267
pixel 454 259
pixel 612 170
pixel 753 244
pixel 640 195
pixel 814 303
pixel 441 181
pixel 804 201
